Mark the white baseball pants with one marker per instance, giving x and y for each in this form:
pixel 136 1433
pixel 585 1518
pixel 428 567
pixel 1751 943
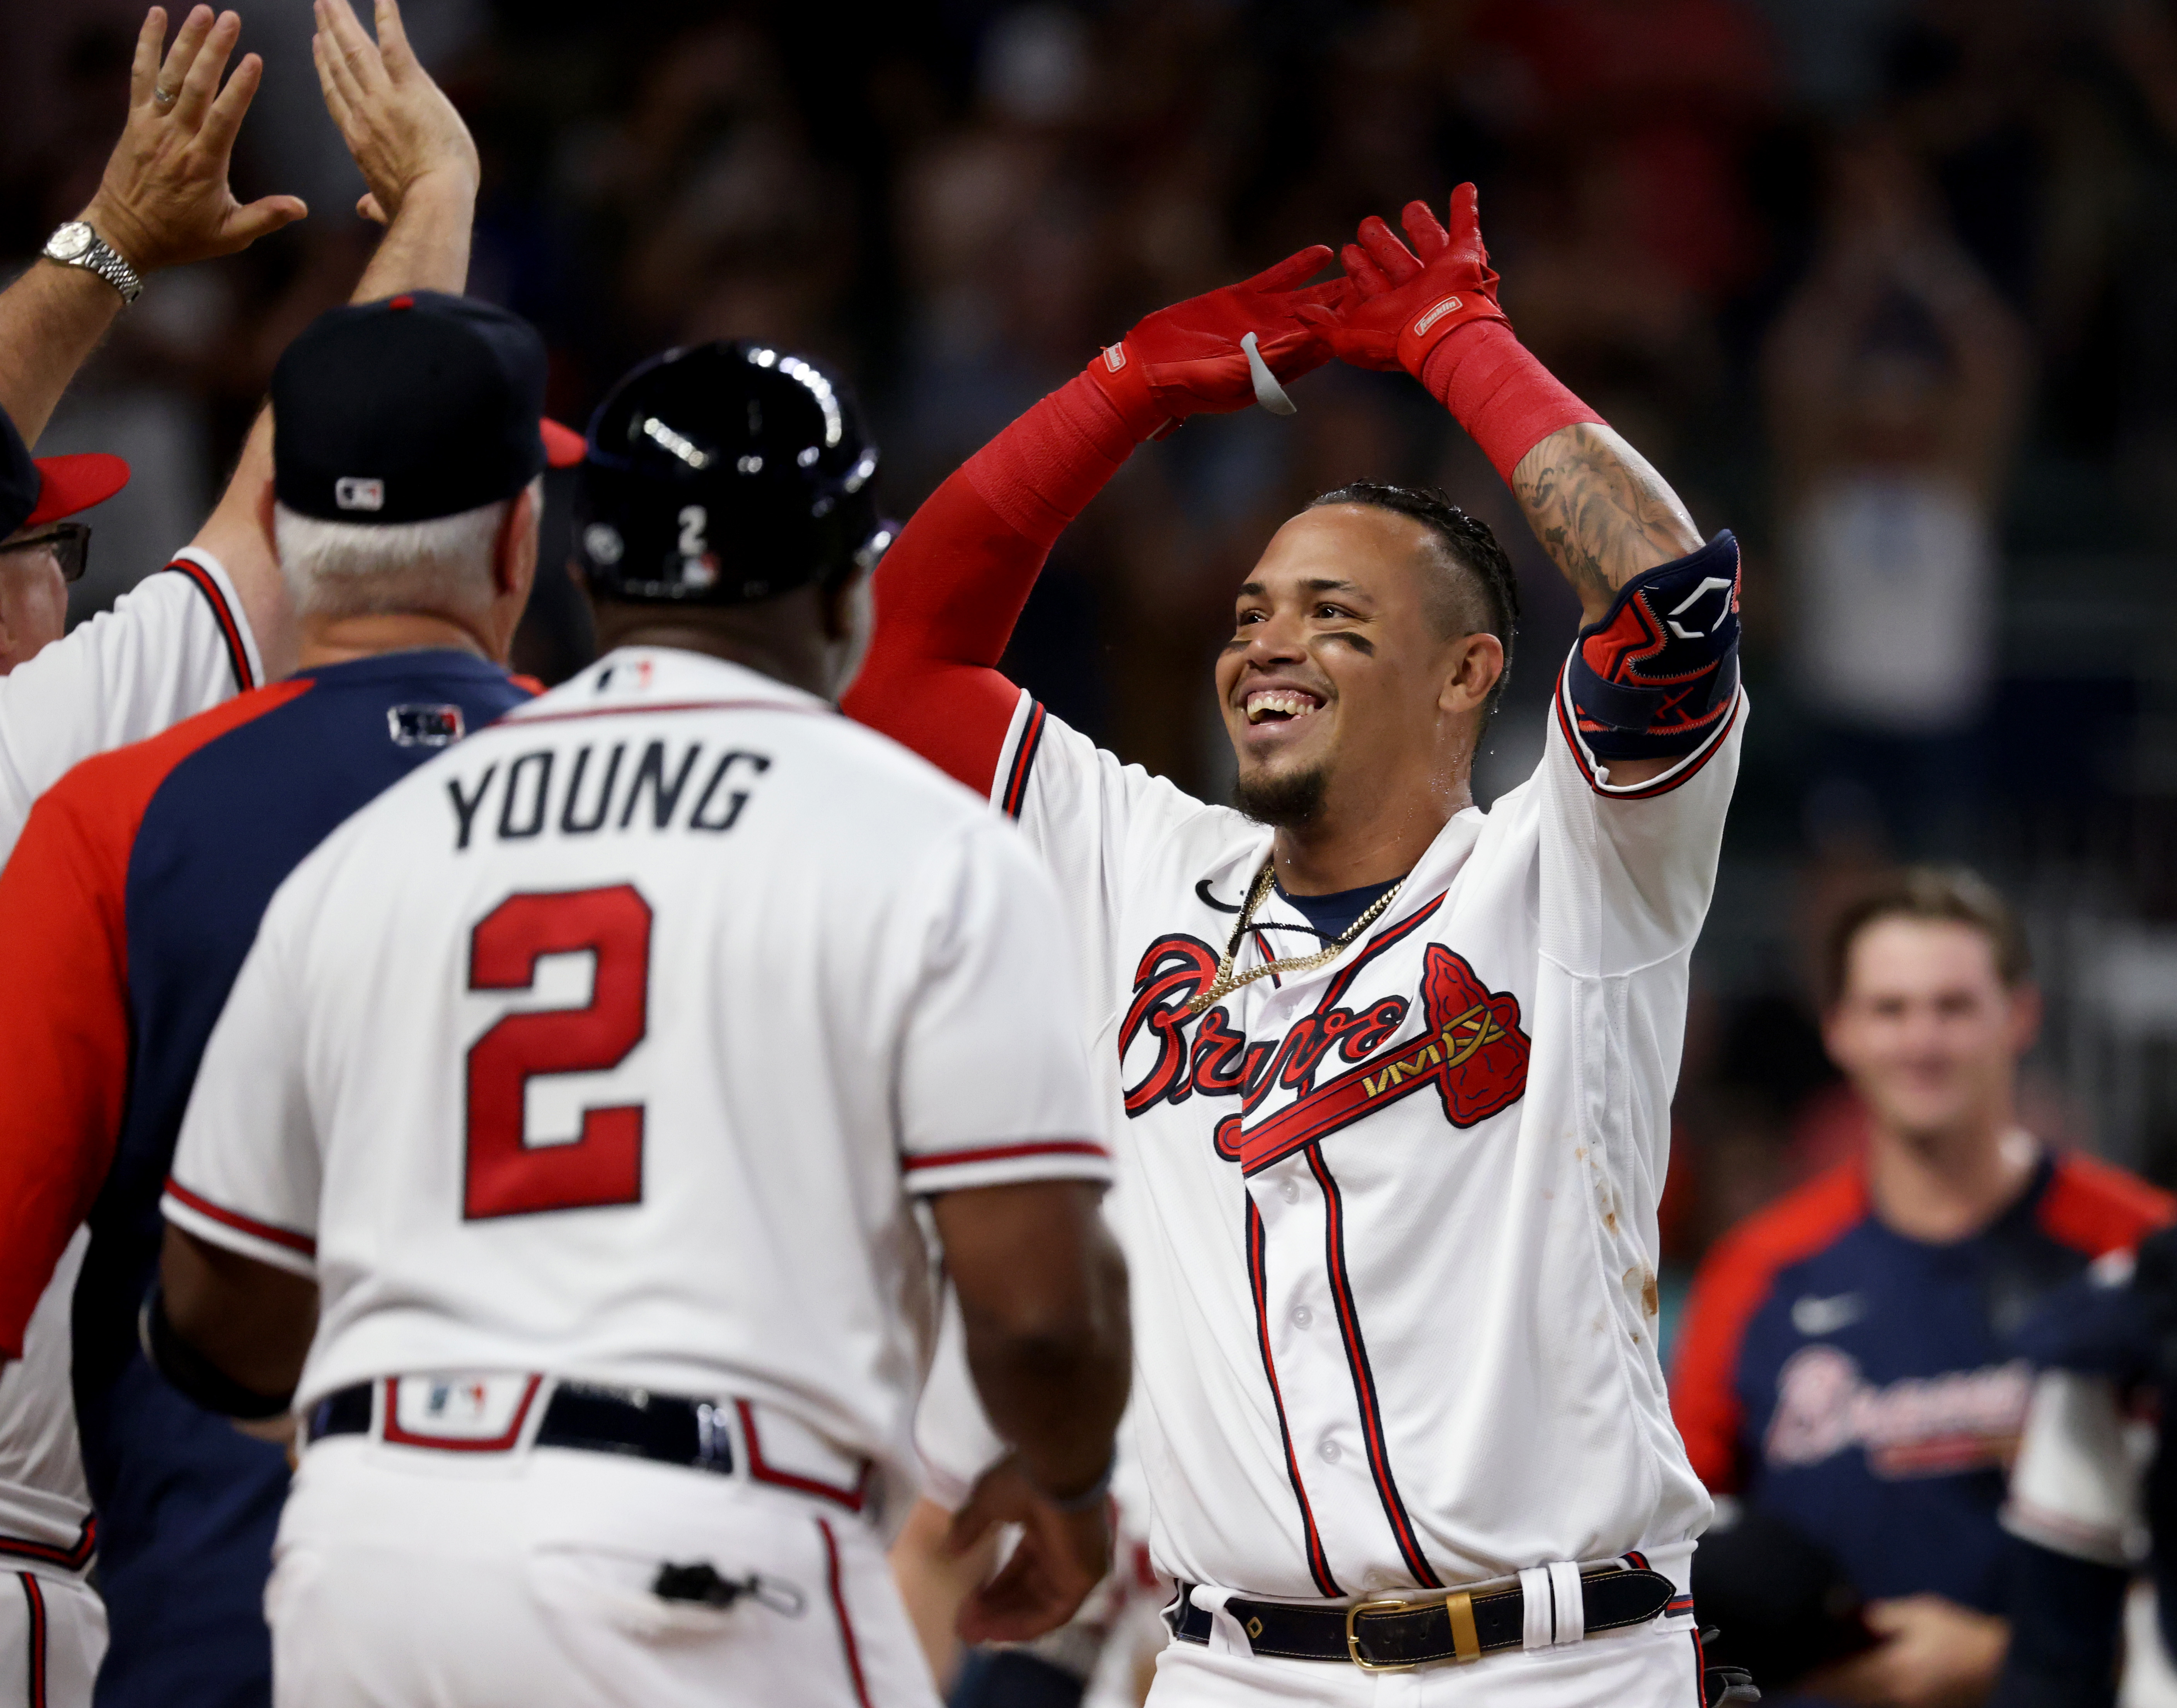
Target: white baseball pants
pixel 1649 1668
pixel 405 1578
pixel 52 1636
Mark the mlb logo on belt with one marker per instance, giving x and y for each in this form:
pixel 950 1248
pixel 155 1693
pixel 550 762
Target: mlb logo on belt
pixel 480 1412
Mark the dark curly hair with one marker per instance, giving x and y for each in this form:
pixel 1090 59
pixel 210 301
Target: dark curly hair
pixel 1470 545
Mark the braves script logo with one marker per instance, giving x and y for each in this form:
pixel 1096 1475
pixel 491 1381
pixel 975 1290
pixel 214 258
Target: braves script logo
pixel 1932 1426
pixel 1471 1052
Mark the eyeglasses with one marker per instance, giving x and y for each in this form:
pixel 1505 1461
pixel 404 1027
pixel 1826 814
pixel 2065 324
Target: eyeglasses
pixel 69 541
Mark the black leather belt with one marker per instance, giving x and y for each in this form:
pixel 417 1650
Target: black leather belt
pixel 596 1420
pixel 1386 1634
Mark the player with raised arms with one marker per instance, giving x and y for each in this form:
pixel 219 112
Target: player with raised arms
pixel 1389 1076
pixel 578 1108
pixel 216 622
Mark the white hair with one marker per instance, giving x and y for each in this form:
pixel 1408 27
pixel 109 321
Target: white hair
pixel 357 569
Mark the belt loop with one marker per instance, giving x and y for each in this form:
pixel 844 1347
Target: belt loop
pixel 1226 1635
pixel 1465 1640
pixel 1567 1602
pixel 1540 1628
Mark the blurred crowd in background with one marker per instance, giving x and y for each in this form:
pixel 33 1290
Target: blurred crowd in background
pixel 1889 287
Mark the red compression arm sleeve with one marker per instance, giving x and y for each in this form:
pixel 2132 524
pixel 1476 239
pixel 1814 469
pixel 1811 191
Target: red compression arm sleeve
pixel 1507 402
pixel 951 587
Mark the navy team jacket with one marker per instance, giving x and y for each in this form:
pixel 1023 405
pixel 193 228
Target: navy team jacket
pixel 132 900
pixel 1861 1385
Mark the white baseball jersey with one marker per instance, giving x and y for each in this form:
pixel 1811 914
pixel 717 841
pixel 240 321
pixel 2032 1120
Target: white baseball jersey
pixel 1392 1223
pixel 176 644
pixel 615 1043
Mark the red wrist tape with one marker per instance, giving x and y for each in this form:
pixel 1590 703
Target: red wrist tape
pixel 1507 401
pixel 1124 381
pixel 1041 472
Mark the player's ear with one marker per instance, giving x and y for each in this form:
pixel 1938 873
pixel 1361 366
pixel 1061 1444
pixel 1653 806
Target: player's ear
pixel 1474 665
pixel 514 554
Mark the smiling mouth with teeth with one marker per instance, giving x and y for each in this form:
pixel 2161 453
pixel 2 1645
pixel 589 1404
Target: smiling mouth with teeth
pixel 1276 704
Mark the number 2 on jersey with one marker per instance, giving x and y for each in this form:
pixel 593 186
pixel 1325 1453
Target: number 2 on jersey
pixel 506 1174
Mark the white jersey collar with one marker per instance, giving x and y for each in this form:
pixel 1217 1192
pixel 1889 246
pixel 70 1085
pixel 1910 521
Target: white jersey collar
pixel 669 677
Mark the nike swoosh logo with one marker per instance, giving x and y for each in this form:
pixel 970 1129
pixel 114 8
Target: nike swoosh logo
pixel 1813 1317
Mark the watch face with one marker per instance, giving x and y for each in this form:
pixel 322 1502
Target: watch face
pixel 70 241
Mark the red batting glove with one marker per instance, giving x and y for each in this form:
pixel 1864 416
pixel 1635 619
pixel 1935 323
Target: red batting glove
pixel 1406 302
pixel 1187 359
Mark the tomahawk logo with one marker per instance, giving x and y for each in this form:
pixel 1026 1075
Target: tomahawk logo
pixel 1472 1054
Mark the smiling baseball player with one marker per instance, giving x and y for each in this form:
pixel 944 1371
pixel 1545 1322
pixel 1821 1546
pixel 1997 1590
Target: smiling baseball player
pixel 1391 1074
pixel 593 1078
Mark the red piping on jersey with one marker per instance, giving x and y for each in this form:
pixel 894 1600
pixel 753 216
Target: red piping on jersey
pixel 519 717
pixel 1318 1562
pixel 1730 1286
pixel 1015 789
pixel 2095 1208
pixel 271 1235
pixel 238 653
pixel 74 1557
pixel 65 1042
pixel 391 1430
pixel 764 1471
pixel 839 1608
pixel 1663 785
pixel 1001 1152
pixel 1364 1379
pixel 36 1599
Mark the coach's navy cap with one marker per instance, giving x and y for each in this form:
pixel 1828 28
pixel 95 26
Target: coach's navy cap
pixel 419 406
pixel 37 490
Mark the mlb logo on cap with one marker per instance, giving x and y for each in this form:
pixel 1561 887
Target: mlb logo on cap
pixel 420 407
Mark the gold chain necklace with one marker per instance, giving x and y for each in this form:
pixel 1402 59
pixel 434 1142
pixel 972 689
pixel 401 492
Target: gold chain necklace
pixel 1227 981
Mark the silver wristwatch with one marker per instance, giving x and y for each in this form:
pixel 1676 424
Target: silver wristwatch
pixel 76 245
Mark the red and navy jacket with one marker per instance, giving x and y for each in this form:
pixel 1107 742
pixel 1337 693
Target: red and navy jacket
pixel 1862 1385
pixel 130 903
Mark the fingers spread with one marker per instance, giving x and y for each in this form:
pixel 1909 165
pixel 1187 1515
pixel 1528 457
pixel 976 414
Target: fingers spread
pixel 1395 261
pixel 1428 239
pixel 225 119
pixel 367 206
pixel 1294 270
pixel 187 41
pixel 144 69
pixel 393 40
pixel 202 83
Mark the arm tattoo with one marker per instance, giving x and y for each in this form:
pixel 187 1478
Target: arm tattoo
pixel 1601 511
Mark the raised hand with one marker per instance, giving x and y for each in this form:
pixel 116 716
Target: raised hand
pixel 1404 302
pixel 165 198
pixel 1188 359
pixel 397 122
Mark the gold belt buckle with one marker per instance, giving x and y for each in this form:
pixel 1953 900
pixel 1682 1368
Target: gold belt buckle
pixel 1459 1607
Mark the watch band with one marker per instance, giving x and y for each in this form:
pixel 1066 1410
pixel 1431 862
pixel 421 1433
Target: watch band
pixel 100 257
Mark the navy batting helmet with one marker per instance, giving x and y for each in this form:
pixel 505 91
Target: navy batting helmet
pixel 724 473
